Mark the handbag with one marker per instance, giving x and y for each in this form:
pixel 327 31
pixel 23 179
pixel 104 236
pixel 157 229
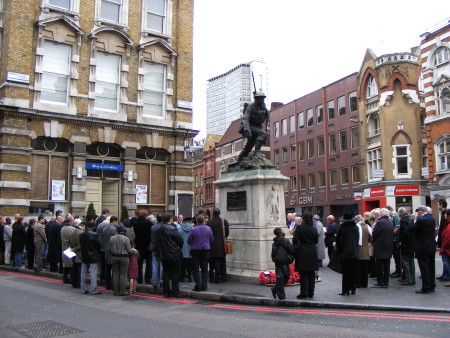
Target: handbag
pixel 226 244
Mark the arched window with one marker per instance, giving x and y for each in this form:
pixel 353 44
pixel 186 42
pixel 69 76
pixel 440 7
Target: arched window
pixel 443 154
pixel 372 89
pixel 441 56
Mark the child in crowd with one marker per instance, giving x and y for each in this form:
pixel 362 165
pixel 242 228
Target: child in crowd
pixel 282 256
pixel 133 269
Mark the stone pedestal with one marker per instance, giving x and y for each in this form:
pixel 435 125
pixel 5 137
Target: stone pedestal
pixel 253 203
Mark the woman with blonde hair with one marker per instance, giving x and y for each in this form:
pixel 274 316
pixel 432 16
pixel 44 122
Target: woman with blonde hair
pixel 330 235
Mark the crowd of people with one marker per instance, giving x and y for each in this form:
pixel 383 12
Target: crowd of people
pixel 161 250
pixel 361 247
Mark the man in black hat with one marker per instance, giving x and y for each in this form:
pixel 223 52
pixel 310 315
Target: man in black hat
pixel 255 114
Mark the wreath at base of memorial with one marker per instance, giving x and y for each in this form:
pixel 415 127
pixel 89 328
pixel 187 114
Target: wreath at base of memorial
pixel 269 277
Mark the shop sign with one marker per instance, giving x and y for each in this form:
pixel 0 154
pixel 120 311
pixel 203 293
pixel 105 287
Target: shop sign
pixel 341 197
pixel 310 200
pixel 374 192
pixel 378 173
pixel 357 196
pixel 403 190
pixel 104 166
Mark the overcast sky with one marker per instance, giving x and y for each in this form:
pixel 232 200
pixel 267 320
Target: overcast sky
pixel 305 44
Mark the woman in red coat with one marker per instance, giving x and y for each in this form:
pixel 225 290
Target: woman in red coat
pixel 444 251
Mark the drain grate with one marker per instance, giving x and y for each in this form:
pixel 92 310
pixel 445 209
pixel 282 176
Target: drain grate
pixel 44 329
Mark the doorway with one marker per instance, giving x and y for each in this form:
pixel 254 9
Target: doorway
pixel 103 194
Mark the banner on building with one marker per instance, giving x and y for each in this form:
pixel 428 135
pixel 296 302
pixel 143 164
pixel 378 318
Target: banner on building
pixel 141 194
pixel 403 190
pixel 58 190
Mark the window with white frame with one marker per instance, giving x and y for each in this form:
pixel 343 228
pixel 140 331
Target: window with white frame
pixel 291 124
pixel 341 105
pixel 319 114
pixel 444 100
pixel 371 89
pixel 373 161
pixel 111 10
pixel 277 156
pixel 441 56
pixel 353 101
pixel 154 89
pixel 343 139
pixel 330 107
pixel 354 137
pixel 107 81
pixel 301 151
pixel 321 178
pixel 374 125
pixel 283 127
pixel 66 4
pixel 310 117
pixel 424 157
pixel 156 15
pixel 301 120
pixel 443 152
pixel 285 155
pixel 55 72
pixel 276 130
pixel 401 160
pixel 201 180
pixel 344 177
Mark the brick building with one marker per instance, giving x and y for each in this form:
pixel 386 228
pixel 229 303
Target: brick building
pixel 392 140
pixel 315 143
pixel 95 105
pixel 435 77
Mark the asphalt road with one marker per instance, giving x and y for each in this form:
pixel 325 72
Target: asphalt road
pixel 36 306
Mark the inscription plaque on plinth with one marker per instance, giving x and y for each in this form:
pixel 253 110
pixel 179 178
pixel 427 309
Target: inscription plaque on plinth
pixel 236 200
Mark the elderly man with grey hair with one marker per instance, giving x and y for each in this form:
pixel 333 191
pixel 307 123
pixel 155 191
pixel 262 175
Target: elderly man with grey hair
pixel 382 237
pixel 425 248
pixel 66 230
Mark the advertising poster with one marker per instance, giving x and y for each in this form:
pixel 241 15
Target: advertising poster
pixel 141 194
pixel 58 190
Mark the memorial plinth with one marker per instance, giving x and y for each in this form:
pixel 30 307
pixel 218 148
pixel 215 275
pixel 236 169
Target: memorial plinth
pixel 252 201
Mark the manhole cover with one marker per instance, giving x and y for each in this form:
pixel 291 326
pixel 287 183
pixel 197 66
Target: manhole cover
pixel 44 329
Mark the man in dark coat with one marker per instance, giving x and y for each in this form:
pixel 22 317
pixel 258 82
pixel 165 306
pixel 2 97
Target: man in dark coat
pixel 442 206
pixel 169 244
pixel 218 263
pixel 18 242
pixel 143 232
pixel 306 260
pixel 382 237
pixel 425 249
pixel 54 244
pixel 90 249
pixel 407 242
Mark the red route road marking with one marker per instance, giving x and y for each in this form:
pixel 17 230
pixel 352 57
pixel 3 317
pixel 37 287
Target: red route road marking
pixel 142 295
pixel 335 313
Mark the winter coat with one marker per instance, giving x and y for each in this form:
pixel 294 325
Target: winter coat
pixel 282 248
pixel 445 240
pixel 30 239
pixel 184 231
pixel 54 243
pixel 74 243
pixel 330 235
pixel 66 230
pixel 347 240
pixel 424 231
pixel 18 237
pixel 39 233
pixel 200 237
pixel 321 242
pixel 366 234
pixel 383 238
pixel 305 244
pixel 100 228
pixel 153 245
pixel 108 232
pixel 169 243
pixel 90 247
pixel 143 232
pixel 218 247
pixel 406 237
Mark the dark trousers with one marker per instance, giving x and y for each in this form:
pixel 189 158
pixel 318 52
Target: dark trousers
pixel 67 275
pixel 307 283
pixel 427 271
pixel 330 252
pixel 282 273
pixel 409 268
pixel 119 274
pixel 372 267
pixel 383 268
pixel 147 275
pixel 171 272
pixel 53 267
pixel 200 260
pixel 349 267
pixel 219 269
pixel 76 275
pixel 30 258
pixel 108 276
pixel 186 269
pixel 102 265
pixel 362 273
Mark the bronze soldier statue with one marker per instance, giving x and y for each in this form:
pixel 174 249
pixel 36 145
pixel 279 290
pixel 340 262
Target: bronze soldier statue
pixel 255 115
